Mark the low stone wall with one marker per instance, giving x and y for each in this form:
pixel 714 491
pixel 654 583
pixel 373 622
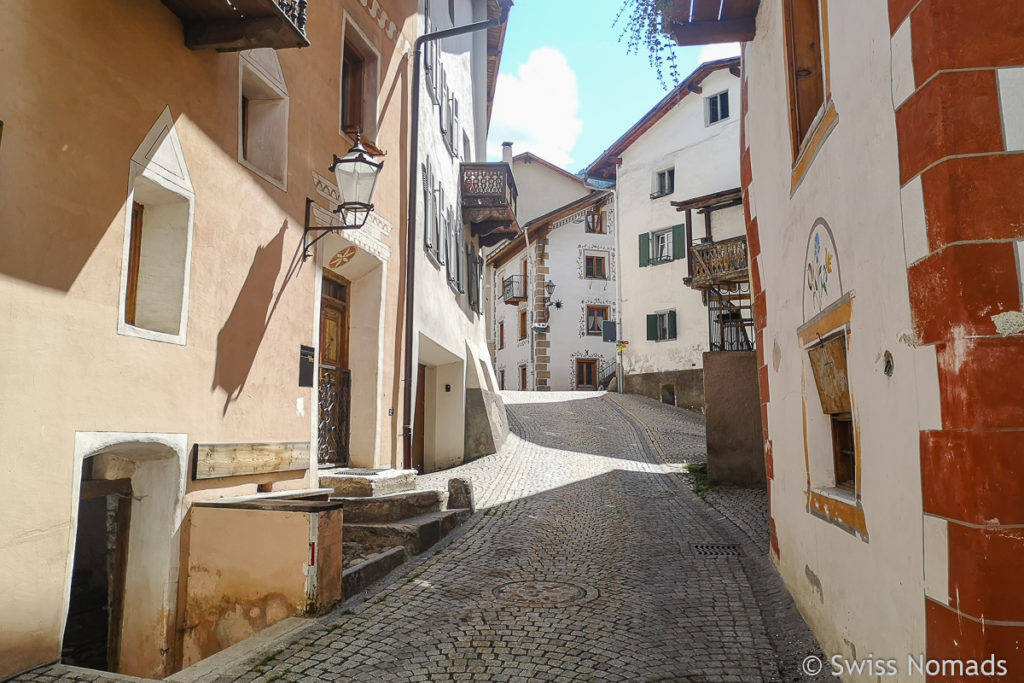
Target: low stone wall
pixel 683 388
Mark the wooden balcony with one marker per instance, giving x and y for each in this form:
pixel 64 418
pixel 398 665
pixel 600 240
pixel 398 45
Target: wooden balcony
pixel 489 201
pixel 716 263
pixel 232 25
pixel 513 290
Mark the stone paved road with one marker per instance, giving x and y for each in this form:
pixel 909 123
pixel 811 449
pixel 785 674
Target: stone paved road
pixel 580 566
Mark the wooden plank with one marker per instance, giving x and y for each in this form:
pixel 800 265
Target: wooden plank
pixel 212 461
pixel 828 362
pixel 99 488
pixel 705 32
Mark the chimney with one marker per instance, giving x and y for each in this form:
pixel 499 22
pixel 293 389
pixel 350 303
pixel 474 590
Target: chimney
pixel 506 152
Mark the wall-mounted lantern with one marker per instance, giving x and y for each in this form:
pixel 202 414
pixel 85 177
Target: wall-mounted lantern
pixel 550 289
pixel 356 174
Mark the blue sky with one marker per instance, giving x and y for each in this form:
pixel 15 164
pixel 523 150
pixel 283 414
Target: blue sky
pixel 567 89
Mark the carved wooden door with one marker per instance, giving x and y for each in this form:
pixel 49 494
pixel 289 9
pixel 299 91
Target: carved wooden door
pixel 335 378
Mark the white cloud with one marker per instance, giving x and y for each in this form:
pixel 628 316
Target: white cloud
pixel 536 109
pixel 709 53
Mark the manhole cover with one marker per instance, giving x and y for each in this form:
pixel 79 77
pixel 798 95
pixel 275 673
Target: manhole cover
pixel 715 550
pixel 543 593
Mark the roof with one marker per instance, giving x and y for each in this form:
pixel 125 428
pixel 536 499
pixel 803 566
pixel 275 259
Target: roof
pixel 699 22
pixel 541 222
pixel 495 44
pixel 604 166
pixel 530 157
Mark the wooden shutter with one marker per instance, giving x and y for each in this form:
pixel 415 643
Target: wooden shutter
pixel 455 126
pixel 652 327
pixel 828 362
pixel 678 241
pixel 134 258
pixel 645 250
pixel 671 325
pixel 428 195
pixel 439 222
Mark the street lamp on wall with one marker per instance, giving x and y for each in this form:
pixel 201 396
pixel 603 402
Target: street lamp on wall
pixel 550 289
pixel 356 174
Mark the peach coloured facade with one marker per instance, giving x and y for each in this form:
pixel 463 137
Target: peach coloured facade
pixel 897 226
pixel 86 84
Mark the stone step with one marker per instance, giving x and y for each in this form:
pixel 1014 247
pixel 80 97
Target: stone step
pixel 392 507
pixel 358 577
pixel 347 482
pixel 415 534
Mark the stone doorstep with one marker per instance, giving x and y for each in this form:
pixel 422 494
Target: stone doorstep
pixel 361 483
pixel 361 575
pixel 392 507
pixel 415 534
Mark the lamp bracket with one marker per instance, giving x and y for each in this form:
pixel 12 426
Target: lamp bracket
pixel 325 229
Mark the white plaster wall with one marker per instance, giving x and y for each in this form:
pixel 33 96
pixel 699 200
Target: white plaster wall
pixel 442 314
pixel 706 160
pixel 867 595
pixel 516 351
pixel 542 189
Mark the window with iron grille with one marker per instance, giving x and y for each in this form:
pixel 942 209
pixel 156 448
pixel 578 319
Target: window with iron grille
pixel 664 183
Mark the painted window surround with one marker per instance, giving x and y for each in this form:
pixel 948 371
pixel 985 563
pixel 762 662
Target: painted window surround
pixel 260 69
pixel 159 160
pixel 831 503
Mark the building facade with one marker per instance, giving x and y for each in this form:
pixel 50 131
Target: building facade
pixel 881 176
pixel 550 336
pixel 682 151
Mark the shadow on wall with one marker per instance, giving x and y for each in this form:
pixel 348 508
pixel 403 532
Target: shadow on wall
pixel 240 338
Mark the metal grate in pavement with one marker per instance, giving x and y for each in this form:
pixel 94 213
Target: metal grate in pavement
pixel 715 549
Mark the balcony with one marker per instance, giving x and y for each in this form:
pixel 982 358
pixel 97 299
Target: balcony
pixel 513 290
pixel 489 201
pixel 716 263
pixel 232 25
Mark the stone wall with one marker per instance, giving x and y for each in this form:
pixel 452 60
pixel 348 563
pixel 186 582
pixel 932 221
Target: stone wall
pixel 683 388
pixel 733 410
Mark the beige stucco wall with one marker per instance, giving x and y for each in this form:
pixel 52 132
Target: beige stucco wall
pixel 860 595
pixel 86 82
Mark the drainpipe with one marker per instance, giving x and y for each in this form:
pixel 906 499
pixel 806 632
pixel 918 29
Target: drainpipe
pixel 620 371
pixel 410 230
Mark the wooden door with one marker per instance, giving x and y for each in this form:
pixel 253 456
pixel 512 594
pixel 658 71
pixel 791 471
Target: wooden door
pixel 335 377
pixel 418 431
pixel 586 373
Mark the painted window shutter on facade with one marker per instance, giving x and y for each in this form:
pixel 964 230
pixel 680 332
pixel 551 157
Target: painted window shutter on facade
pixel 645 253
pixel 428 192
pixel 671 324
pixel 678 241
pixel 652 327
pixel 828 362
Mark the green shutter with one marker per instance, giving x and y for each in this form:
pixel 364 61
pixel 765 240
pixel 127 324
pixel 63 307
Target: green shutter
pixel 652 327
pixel 678 241
pixel 645 249
pixel 671 324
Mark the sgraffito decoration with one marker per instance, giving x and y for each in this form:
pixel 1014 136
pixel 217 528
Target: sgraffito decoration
pixel 342 257
pixel 822 281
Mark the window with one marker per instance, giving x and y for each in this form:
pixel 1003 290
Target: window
pixel 263 116
pixel 522 377
pixel 451 11
pixel 716 108
pixel 804 52
pixel 595 268
pixel 595 221
pixel 352 73
pixel 450 122
pixel 661 326
pixel 663 246
pixel 586 373
pixel 596 315
pixel 429 54
pixel 428 205
pixel 664 183
pixel 501 379
pixel 828 364
pixel 501 335
pixel 522 324
pixel 359 83
pixel 438 221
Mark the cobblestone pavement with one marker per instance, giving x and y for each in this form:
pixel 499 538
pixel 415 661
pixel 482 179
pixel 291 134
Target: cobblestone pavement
pixel 590 558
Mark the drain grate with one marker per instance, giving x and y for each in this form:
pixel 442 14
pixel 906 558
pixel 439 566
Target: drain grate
pixel 715 550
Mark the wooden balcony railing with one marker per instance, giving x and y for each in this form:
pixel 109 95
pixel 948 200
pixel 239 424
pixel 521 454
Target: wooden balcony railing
pixel 718 262
pixel 489 201
pixel 228 26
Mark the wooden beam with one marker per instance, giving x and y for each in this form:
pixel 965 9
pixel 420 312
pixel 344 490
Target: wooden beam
pixel 99 488
pixel 228 35
pixel 735 71
pixel 211 461
pixel 705 32
pixel 695 89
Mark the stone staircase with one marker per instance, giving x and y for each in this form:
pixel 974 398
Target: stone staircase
pixel 386 520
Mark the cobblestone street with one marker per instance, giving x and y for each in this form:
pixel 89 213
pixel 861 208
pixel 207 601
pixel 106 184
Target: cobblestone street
pixel 590 558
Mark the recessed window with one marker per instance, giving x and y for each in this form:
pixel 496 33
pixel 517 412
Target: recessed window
pixel 501 379
pixel 352 72
pixel 716 108
pixel 596 315
pixel 263 117
pixel 586 373
pixel 522 324
pixel 663 246
pixel 804 53
pixel 664 183
pixel 828 364
pixel 596 268
pixel 594 221
pixel 661 326
pixel 358 85
pixel 501 339
pixel 522 377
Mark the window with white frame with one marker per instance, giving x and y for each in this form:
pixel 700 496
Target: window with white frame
pixel 716 108
pixel 661 326
pixel 661 246
pixel 664 183
pixel 263 116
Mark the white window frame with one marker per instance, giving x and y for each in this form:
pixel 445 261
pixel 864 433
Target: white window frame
pixel 663 182
pixel 656 238
pixel 717 97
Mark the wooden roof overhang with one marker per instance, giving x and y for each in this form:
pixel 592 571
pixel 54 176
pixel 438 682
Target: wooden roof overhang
pixel 604 166
pixel 713 201
pixel 542 224
pixel 700 22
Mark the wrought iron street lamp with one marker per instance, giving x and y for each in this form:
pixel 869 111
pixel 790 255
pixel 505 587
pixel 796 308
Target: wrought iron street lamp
pixel 356 174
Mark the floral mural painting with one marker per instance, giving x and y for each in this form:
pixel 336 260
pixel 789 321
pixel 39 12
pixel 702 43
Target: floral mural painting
pixel 822 283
